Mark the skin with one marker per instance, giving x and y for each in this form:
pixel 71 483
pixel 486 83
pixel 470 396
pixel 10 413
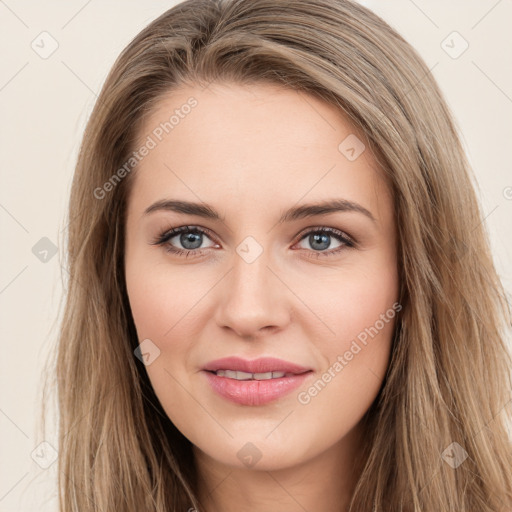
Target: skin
pixel 252 152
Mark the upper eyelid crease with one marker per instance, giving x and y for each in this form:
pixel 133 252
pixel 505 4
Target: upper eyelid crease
pixel 294 213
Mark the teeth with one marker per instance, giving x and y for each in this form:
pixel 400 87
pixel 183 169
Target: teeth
pixel 232 374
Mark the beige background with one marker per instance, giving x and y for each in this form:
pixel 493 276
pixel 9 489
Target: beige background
pixel 44 105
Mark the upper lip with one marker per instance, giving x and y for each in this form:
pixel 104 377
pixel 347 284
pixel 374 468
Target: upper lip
pixel 261 365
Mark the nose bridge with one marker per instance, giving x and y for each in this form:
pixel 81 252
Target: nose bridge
pixel 253 297
pixel 250 274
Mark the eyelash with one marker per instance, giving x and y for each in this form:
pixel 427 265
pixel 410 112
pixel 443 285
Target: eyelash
pixel 164 237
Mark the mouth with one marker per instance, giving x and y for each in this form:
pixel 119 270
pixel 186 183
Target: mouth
pixel 255 382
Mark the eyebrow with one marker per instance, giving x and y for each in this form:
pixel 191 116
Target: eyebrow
pixel 294 213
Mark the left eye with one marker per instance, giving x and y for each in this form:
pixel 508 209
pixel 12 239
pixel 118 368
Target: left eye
pixel 190 237
pixel 320 239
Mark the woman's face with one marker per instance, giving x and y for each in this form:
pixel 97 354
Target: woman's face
pixel 315 287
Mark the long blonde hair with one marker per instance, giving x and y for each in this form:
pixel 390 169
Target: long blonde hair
pixel 449 376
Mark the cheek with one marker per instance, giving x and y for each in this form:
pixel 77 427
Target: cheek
pixel 167 309
pixel 159 299
pixel 361 310
pixel 358 308
pixel 162 306
pixel 349 301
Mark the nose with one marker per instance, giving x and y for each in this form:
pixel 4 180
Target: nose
pixel 254 299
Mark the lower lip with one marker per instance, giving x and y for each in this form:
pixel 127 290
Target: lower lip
pixel 254 392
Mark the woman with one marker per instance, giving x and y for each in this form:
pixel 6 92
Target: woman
pixel 212 355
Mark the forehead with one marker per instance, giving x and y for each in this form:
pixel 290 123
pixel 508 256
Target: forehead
pixel 246 144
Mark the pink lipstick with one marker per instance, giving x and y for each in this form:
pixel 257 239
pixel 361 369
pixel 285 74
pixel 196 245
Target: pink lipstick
pixel 254 382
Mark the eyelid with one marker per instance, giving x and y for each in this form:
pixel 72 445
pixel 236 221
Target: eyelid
pixel 326 229
pixel 169 233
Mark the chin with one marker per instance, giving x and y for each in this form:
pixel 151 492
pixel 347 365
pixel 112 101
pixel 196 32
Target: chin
pixel 257 454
